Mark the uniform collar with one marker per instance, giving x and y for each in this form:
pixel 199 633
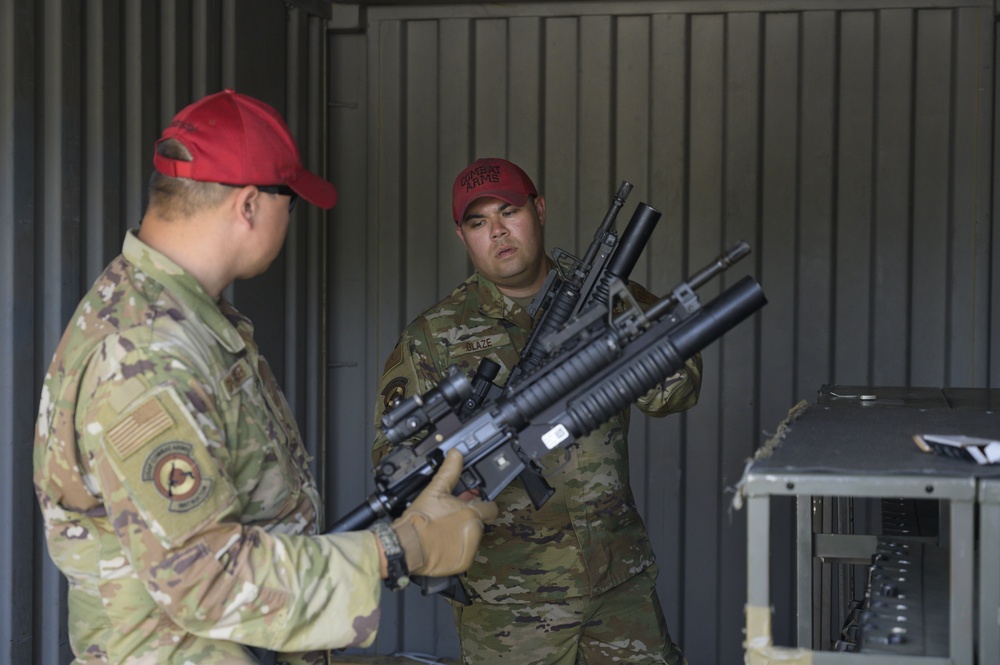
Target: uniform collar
pixel 165 274
pixel 496 305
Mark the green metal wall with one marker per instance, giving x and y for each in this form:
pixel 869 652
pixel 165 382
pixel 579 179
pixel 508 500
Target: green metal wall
pixel 86 86
pixel 850 142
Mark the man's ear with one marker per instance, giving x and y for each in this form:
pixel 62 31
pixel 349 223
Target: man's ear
pixel 540 209
pixel 458 232
pixel 246 204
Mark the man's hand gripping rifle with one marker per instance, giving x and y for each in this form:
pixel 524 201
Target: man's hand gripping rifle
pixel 595 367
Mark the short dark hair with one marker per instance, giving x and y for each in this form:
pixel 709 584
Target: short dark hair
pixel 172 197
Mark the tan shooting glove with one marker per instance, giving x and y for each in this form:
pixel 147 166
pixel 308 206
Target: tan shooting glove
pixel 439 533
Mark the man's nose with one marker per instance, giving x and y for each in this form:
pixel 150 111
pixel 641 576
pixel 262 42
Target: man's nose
pixel 497 228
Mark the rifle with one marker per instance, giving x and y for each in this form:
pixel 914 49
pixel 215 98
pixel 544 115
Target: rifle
pixel 581 365
pixel 572 394
pixel 573 299
pixel 564 288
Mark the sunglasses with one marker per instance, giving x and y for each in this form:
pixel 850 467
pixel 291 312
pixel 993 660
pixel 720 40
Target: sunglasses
pixel 284 190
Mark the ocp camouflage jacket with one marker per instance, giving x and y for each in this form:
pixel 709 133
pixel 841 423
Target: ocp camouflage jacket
pixel 589 536
pixel 175 488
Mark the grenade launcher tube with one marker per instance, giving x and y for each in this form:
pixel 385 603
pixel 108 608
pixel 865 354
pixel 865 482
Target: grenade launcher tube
pixel 556 406
pixel 627 252
pixel 643 366
pixel 571 295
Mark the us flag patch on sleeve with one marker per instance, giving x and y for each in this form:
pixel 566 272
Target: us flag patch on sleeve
pixel 394 359
pixel 163 460
pixel 143 424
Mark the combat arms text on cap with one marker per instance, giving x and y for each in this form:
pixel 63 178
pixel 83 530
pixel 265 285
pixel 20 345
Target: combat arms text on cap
pixel 238 140
pixel 490 176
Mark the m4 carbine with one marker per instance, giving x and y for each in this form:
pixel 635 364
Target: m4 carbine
pixel 595 363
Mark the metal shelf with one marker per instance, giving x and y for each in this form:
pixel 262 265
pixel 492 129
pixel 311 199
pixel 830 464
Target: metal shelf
pixel 846 446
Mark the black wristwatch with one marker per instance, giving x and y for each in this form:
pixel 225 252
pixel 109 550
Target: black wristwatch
pixel 398 574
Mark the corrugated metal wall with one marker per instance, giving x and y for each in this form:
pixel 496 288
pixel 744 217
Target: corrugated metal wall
pixel 85 89
pixel 849 142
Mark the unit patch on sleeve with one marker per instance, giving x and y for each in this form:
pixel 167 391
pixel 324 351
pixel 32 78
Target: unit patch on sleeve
pixel 176 475
pixel 164 461
pixel 395 391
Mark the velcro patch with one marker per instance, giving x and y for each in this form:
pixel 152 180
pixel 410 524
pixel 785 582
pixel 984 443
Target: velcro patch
pixel 478 344
pixel 138 427
pixel 238 374
pixel 173 481
pixel 394 359
pixel 176 475
pixel 125 394
pixel 394 391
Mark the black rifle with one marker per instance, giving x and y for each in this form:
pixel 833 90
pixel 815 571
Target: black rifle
pixel 571 395
pixel 573 299
pixel 566 286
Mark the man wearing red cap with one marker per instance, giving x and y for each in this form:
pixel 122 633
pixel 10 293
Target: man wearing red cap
pixel 572 582
pixel 172 478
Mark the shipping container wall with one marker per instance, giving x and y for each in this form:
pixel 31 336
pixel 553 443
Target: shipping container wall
pixel 85 89
pixel 850 143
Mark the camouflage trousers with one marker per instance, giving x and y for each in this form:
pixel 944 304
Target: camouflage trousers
pixel 623 625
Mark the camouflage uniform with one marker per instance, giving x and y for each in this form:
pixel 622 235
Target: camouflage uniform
pixel 175 488
pixel 588 539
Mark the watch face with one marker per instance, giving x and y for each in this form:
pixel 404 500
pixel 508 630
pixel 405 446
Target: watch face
pixel 394 556
pixel 388 538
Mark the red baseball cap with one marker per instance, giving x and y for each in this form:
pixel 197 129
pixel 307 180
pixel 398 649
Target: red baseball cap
pixel 235 139
pixel 490 176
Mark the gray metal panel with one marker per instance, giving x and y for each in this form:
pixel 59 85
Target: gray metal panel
pixel 992 239
pixel 420 107
pixel 704 218
pixel 386 242
pixel 665 482
pixel 848 142
pixel 989 577
pixel 85 88
pixel 852 314
pixel 491 87
pixel 931 162
pixel 598 122
pixel 777 249
pixel 556 171
pixel 352 363
pixel 816 202
pixel 898 91
pixel 894 125
pixel 738 379
pixel 970 257
pixel 524 141
pixel 351 382
pixel 56 251
pixel 19 564
pixel 452 150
